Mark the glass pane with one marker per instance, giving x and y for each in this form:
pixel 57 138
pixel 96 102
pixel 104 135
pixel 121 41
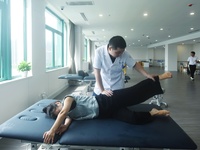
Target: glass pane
pixel 17 34
pixel 49 49
pixel 1 68
pixel 58 50
pixel 85 50
pixel 53 21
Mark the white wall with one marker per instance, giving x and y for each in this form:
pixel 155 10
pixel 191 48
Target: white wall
pixel 184 52
pixel 142 53
pixel 16 95
pixel 138 53
pixel 196 48
pixel 159 54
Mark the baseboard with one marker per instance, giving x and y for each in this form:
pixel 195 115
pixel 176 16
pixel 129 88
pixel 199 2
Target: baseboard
pixel 53 95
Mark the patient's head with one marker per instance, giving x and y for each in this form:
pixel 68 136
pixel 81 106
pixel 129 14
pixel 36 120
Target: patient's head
pixel 52 109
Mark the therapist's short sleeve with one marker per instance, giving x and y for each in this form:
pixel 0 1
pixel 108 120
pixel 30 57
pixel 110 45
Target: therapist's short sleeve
pixel 97 59
pixel 130 62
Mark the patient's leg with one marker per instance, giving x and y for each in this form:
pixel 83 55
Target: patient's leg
pixel 140 92
pixel 133 117
pixel 156 112
pixel 165 75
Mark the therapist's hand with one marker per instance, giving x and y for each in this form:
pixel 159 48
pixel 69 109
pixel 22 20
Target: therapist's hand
pixel 107 92
pixel 48 137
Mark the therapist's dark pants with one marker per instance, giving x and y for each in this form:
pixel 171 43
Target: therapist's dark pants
pixel 116 105
pixel 192 70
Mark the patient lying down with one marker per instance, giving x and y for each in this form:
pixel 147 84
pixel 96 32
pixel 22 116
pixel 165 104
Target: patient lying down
pixel 79 107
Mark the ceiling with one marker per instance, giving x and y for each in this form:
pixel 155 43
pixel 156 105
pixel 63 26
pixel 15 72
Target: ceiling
pixel 126 18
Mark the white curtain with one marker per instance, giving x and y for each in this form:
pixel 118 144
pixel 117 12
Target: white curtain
pixel 72 47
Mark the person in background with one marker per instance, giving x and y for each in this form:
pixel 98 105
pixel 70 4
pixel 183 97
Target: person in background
pixel 108 64
pixel 192 62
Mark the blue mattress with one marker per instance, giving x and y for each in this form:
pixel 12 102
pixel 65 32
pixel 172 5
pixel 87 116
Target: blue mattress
pixel 31 123
pixel 71 77
pixel 161 133
pixel 90 77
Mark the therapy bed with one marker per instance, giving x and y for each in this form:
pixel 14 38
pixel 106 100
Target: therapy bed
pixel 80 76
pixel 30 124
pixel 89 79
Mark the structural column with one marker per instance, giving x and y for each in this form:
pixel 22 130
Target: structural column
pixel 170 57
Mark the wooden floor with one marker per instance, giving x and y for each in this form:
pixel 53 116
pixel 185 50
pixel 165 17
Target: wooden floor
pixel 181 94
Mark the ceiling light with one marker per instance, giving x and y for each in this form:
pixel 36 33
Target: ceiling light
pixel 192 13
pixel 79 3
pixel 145 14
pixel 103 29
pixel 193 40
pixel 125 36
pixel 100 15
pixel 161 29
pixel 132 29
pixel 191 28
pixel 169 36
pixel 83 16
pixel 138 40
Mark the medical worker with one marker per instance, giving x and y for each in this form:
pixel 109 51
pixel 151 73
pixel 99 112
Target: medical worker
pixel 192 63
pixel 108 65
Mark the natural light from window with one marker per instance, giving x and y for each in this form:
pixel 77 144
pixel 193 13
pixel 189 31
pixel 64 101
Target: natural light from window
pixel 17 34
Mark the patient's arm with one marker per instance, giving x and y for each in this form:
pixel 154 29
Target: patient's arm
pixel 49 135
pixel 64 126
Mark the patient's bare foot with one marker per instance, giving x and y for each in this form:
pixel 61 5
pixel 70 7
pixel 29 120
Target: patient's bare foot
pixel 156 112
pixel 165 75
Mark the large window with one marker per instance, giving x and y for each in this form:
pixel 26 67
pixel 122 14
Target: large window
pixel 18 34
pixel 54 40
pixel 12 33
pixel 86 50
pixel 1 33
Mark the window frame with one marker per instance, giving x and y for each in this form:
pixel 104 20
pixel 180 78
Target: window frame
pixel 54 33
pixel 6 68
pixel 5 49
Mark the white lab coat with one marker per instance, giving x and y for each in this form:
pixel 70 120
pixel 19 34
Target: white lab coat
pixel 111 73
pixel 192 60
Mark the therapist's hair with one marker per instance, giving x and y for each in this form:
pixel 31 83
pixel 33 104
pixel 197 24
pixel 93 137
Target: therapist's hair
pixel 117 42
pixel 49 110
pixel 193 52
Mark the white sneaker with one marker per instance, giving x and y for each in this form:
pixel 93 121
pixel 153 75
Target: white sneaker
pixel 191 78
